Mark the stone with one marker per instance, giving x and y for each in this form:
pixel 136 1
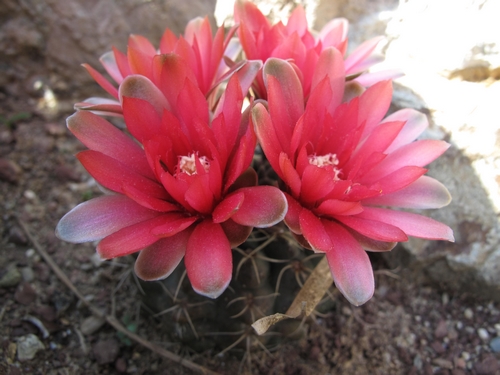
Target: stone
pixel 25 294
pixel 11 278
pixel 106 351
pixel 488 366
pixel 91 325
pixel 495 345
pixel 28 346
pixel 9 170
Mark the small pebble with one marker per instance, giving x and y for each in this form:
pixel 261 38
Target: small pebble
pixel 441 329
pixel 91 325
pixel 495 345
pixel 106 351
pixel 28 346
pixel 11 278
pixel 483 334
pixel 465 356
pixel 25 294
pixel 488 366
pixel 28 274
pixel 468 313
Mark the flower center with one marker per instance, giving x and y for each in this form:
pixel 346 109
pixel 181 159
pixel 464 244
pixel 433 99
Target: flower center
pixel 187 164
pixel 324 161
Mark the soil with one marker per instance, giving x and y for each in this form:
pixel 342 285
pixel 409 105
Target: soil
pixel 408 327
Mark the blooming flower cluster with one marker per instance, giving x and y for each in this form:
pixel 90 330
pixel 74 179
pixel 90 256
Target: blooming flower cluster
pixel 181 186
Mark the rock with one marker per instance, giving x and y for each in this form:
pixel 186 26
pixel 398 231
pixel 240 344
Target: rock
pixel 91 325
pixel 488 366
pixel 483 334
pixel 25 294
pixel 495 345
pixel 106 351
pixel 28 346
pixel 11 278
pixel 28 274
pixel 121 365
pixel 441 330
pixel 17 236
pixel 9 170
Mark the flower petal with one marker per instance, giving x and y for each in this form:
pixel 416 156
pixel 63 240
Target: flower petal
pixel 373 228
pixel 314 231
pixel 351 268
pixel 160 259
pixel 262 207
pixel 100 217
pixel 100 135
pixel 228 207
pixel 208 259
pixel 425 192
pixel 292 214
pixel 130 239
pixel 140 87
pixel 415 123
pixel 103 82
pixel 412 224
pixel 235 233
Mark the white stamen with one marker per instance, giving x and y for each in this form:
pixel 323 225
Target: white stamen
pixel 187 164
pixel 324 161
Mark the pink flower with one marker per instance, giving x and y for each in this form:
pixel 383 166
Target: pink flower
pixel 181 188
pixel 294 42
pixel 343 164
pixel 200 51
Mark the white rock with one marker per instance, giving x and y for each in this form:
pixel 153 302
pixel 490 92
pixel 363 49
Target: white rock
pixel 28 346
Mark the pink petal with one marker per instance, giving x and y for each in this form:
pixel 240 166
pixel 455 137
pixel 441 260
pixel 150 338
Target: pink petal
pixel 148 201
pixel 103 82
pixel 290 175
pixel 228 207
pixel 100 106
pixel 334 33
pixel 337 207
pixel 425 192
pixel 246 179
pixel 285 97
pixel 292 215
pixel 160 259
pixel 141 118
pixel 173 223
pixel 113 174
pixel 331 65
pixel 235 233
pixel 100 135
pixel 412 224
pixel 369 244
pixel 371 78
pixel 351 268
pixel 316 183
pixel 356 58
pixel 100 217
pixel 419 153
pixel 374 104
pixel 297 21
pixel 140 87
pixel 108 60
pixel 373 228
pixel 263 206
pixel 208 259
pixel 399 179
pixel 130 239
pixel 199 196
pixel 415 123
pixel 267 136
pixel 313 230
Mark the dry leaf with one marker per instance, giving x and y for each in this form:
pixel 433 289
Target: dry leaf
pixel 306 300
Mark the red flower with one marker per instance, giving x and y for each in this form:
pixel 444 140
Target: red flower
pixel 200 51
pixel 261 40
pixel 182 188
pixel 341 162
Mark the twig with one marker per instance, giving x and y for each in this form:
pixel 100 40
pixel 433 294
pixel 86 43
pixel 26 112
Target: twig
pixel 111 320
